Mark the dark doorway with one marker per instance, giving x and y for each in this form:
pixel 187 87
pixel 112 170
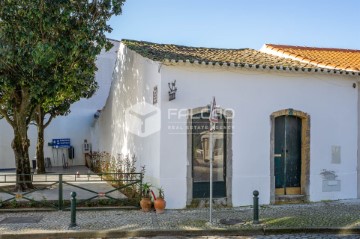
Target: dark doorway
pixel 200 157
pixel 287 155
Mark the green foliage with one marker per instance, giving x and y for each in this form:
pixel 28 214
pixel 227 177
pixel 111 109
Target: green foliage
pixel 146 189
pixel 48 50
pixel 14 204
pixel 120 171
pixel 161 193
pixel 32 203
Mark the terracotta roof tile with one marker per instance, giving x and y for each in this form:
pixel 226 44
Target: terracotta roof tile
pixel 341 59
pixel 161 52
pixel 172 54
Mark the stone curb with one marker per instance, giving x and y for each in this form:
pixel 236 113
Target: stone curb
pixel 317 230
pixel 151 233
pixel 127 234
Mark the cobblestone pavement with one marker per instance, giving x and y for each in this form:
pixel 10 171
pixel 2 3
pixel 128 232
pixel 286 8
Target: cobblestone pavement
pixel 285 236
pixel 343 215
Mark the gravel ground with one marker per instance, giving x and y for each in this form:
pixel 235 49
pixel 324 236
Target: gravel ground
pixel 335 214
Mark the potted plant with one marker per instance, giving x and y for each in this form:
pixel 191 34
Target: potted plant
pixel 145 202
pixel 159 202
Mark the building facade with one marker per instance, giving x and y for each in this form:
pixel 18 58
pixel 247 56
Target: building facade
pixel 285 127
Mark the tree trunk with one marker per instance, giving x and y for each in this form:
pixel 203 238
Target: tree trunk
pixel 20 145
pixel 22 112
pixel 40 141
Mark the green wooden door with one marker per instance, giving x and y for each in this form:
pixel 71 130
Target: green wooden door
pixel 287 155
pixel 200 158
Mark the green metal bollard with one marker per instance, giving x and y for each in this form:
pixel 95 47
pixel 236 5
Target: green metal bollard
pixel 256 207
pixel 73 209
pixel 60 192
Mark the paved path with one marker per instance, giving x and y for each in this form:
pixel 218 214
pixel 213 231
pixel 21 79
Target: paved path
pixel 285 236
pixel 337 217
pixel 276 221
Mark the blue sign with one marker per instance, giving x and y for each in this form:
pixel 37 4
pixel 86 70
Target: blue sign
pixel 61 143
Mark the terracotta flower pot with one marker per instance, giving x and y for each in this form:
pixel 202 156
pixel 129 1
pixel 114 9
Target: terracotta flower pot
pixel 145 204
pixel 159 205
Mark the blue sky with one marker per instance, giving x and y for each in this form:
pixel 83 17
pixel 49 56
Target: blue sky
pixel 241 23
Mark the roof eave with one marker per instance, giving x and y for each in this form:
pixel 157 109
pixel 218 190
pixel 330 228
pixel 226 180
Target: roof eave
pixel 173 62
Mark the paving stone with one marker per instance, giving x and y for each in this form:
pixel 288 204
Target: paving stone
pixel 336 214
pixel 15 220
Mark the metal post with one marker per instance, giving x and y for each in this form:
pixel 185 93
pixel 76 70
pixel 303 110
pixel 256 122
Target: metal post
pixel 285 156
pixel 256 207
pixel 141 185
pixel 213 119
pixel 211 172
pixel 60 192
pixel 73 209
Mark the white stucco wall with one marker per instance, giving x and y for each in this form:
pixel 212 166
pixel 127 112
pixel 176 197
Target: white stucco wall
pixel 7 158
pixel 330 100
pixel 75 126
pixel 6 154
pixel 133 81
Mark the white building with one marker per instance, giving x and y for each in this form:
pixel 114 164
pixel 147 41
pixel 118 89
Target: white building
pixel 273 110
pixel 287 126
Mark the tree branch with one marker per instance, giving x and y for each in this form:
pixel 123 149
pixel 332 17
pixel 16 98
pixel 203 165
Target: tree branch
pixel 4 113
pixel 31 111
pixel 49 121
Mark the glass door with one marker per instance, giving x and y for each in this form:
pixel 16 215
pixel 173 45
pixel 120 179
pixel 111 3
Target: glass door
pixel 201 157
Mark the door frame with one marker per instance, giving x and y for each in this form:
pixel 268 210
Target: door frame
pixel 305 150
pixel 228 156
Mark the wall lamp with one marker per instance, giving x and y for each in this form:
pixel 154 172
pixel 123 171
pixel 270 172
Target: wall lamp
pixel 172 91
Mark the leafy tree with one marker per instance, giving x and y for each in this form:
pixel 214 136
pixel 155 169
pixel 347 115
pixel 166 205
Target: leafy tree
pixel 48 50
